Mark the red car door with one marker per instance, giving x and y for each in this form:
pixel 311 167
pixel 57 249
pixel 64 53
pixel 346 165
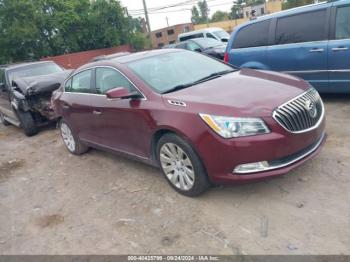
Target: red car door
pixel 75 104
pixel 119 124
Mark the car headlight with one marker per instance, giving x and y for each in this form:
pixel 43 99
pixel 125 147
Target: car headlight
pixel 229 127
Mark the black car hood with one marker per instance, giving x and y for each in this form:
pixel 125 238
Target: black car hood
pixel 34 85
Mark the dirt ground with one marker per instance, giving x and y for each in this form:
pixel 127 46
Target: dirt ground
pixel 52 202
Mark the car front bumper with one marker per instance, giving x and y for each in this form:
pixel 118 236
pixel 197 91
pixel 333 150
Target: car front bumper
pixel 278 152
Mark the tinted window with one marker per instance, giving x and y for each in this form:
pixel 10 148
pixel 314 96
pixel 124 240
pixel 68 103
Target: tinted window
pixel 301 28
pixel 165 71
pixel 191 36
pixel 171 32
pixel 253 35
pixel 80 83
pixel 342 25
pixel 108 78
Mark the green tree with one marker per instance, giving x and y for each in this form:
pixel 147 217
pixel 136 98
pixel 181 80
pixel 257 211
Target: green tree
pixel 200 13
pixel 219 16
pixel 196 19
pixel 36 28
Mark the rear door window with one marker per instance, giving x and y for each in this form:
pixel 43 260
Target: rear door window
pixel 80 83
pixel 342 23
pixel 306 27
pixel 253 35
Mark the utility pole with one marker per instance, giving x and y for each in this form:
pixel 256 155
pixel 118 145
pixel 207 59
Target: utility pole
pixel 167 21
pixel 146 15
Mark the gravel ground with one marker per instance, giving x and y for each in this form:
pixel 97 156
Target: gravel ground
pixel 55 203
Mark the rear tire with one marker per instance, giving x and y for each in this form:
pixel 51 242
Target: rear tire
pixel 71 141
pixel 3 121
pixel 181 166
pixel 27 123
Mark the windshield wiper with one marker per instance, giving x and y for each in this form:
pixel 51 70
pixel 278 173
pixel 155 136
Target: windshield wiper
pixel 207 78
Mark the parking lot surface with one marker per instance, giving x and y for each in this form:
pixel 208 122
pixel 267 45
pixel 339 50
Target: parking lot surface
pixel 52 202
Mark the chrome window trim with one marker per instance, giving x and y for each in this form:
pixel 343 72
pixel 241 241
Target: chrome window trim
pixel 316 71
pixel 277 166
pixel 305 130
pixel 95 67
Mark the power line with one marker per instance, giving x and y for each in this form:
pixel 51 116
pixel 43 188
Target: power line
pixel 178 10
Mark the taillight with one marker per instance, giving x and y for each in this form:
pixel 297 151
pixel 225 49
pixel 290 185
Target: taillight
pixel 226 57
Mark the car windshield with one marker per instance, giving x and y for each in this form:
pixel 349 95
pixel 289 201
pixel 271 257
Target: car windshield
pixel 208 42
pixel 221 34
pixel 166 71
pixel 34 70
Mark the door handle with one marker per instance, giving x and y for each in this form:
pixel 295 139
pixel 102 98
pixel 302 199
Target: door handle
pixel 316 50
pixel 96 112
pixel 340 49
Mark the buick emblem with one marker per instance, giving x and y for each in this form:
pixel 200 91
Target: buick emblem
pixel 311 108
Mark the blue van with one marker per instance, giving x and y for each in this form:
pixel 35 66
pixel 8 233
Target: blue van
pixel 311 42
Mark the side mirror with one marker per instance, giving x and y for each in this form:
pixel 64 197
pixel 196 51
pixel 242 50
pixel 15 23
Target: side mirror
pixel 121 93
pixel 198 50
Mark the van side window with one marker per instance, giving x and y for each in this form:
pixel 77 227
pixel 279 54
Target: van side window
pixel 253 35
pixel 300 28
pixel 342 24
pixel 184 38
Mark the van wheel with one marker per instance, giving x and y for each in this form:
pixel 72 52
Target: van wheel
pixel 27 123
pixel 3 120
pixel 72 143
pixel 182 166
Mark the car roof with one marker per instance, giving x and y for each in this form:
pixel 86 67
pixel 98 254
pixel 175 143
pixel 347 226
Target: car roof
pixel 209 29
pixel 110 56
pixel 19 65
pixel 142 55
pixel 129 58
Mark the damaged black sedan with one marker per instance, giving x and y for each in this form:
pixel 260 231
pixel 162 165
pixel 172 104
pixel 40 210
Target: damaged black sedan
pixel 25 94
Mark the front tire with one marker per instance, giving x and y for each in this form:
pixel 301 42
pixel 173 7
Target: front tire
pixel 3 120
pixel 72 143
pixel 181 166
pixel 27 123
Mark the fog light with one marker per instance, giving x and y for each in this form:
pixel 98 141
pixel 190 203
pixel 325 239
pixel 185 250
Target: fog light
pixel 251 167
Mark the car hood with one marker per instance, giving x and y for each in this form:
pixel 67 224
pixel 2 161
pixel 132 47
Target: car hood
pixel 245 92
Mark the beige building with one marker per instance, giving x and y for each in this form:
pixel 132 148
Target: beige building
pixel 272 6
pixel 168 35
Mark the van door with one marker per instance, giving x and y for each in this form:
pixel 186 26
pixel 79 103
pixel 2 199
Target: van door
pixel 301 47
pixel 339 50
pixel 249 46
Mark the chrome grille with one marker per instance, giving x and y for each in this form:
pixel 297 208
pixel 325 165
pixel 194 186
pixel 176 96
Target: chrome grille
pixel 302 113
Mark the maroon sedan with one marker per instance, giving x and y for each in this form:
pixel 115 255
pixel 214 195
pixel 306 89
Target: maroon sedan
pixel 202 121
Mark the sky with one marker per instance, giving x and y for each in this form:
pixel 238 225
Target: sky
pixel 176 15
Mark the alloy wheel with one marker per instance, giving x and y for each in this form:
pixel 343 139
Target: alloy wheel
pixel 177 166
pixel 67 137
